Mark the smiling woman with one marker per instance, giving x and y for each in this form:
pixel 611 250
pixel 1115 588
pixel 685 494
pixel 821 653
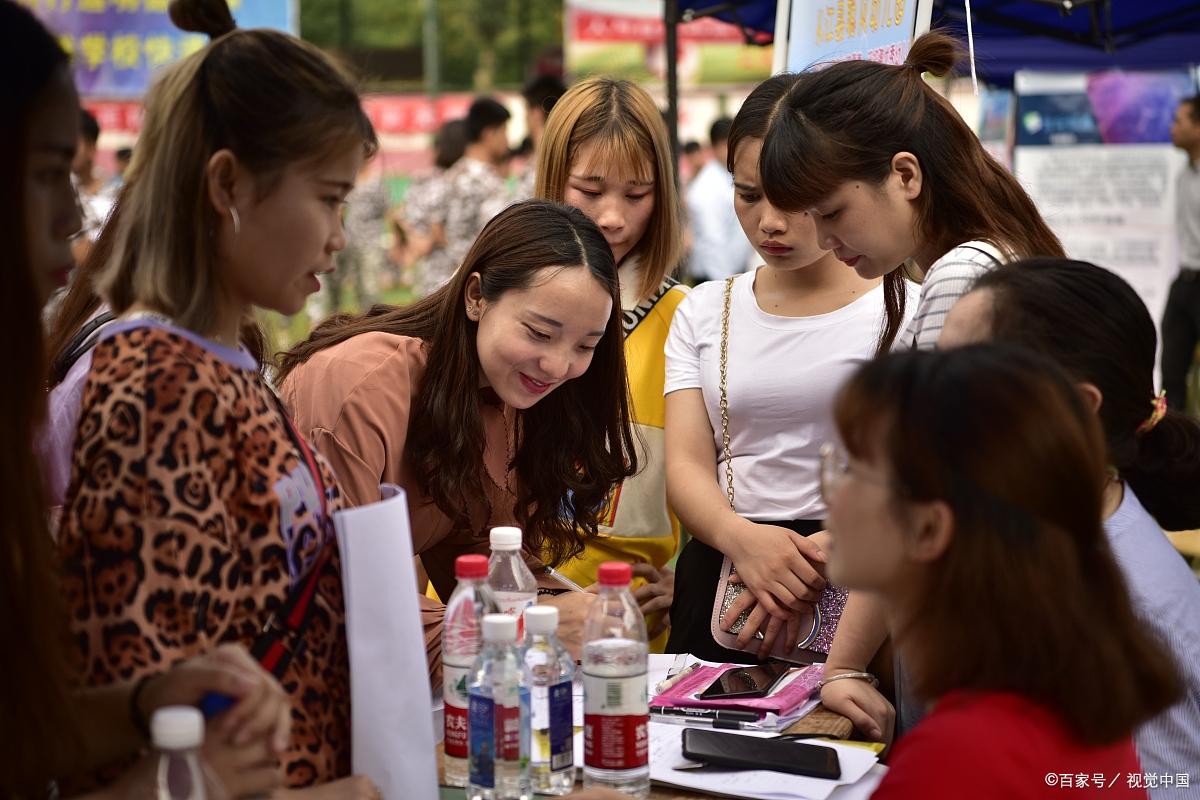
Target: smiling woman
pixel 497 400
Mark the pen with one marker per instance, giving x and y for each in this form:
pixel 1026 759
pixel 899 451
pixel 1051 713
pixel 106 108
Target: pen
pixel 671 680
pixel 564 580
pixel 713 714
pixel 719 724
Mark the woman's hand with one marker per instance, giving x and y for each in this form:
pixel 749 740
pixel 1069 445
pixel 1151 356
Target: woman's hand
pixel 781 567
pixel 262 711
pixel 655 596
pixel 573 609
pixel 793 626
pixel 862 704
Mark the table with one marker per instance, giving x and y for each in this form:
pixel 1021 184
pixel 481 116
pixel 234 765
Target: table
pixel 821 720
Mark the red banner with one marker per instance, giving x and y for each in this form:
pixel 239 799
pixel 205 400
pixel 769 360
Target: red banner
pixel 592 26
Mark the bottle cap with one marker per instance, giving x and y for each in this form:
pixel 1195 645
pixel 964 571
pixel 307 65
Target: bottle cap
pixel 615 573
pixel 541 619
pixel 499 628
pixel 473 566
pixel 177 728
pixel 504 538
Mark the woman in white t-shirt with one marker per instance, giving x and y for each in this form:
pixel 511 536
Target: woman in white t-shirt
pixel 797 327
pixel 895 180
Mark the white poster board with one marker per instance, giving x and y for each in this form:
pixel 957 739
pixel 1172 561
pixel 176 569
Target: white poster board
pixel 812 32
pixel 390 699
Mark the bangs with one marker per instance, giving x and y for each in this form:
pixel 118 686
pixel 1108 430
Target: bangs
pixel 621 150
pixel 864 424
pixel 800 166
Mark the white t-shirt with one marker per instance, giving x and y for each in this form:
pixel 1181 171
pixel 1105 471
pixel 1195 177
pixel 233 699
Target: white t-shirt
pixel 719 247
pixel 783 373
pixel 948 279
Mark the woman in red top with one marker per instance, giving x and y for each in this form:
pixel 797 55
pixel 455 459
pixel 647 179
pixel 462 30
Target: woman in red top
pixel 970 489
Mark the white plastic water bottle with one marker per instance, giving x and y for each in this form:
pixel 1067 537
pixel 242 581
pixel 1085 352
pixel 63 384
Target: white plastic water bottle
pixel 552 763
pixel 616 722
pixel 498 705
pixel 461 639
pixel 513 585
pixel 178 733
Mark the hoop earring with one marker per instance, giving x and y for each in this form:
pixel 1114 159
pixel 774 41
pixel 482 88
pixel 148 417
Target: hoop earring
pixel 237 222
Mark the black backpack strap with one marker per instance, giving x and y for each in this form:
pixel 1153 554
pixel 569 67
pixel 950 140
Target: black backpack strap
pixel 80 344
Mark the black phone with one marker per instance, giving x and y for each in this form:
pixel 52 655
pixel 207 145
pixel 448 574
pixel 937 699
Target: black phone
pixel 751 752
pixel 756 680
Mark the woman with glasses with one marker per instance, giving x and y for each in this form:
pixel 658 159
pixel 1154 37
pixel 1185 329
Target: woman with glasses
pixel 969 503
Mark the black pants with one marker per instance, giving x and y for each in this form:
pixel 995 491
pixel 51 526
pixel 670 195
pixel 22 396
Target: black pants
pixel 1180 333
pixel 697 574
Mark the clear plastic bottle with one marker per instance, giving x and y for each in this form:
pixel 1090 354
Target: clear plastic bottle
pixel 513 585
pixel 498 703
pixel 616 713
pixel 552 762
pixel 178 734
pixel 461 638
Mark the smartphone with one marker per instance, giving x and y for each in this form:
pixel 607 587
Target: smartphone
pixel 756 680
pixel 751 752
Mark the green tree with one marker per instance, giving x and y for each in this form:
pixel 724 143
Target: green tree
pixel 483 43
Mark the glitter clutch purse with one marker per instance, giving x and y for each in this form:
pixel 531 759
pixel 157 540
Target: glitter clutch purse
pixel 819 625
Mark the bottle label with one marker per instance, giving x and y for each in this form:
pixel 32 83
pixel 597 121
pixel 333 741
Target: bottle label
pixel 454 693
pixel 615 722
pixel 482 735
pixel 514 604
pixel 508 733
pixel 562 728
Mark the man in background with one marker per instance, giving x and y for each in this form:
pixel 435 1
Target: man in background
pixel 719 248
pixel 1181 318
pixel 541 93
pixel 475 191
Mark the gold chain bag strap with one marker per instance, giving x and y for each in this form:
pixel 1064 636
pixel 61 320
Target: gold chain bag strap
pixel 728 592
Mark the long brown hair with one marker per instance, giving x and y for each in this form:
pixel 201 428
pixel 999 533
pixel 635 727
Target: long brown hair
pixel 628 129
pixel 751 122
pixel 1027 597
pixel 1093 324
pixel 38 732
pixel 574 445
pixel 270 98
pixel 847 121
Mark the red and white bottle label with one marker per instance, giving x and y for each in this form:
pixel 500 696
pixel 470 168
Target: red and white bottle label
pixel 508 733
pixel 615 722
pixel 454 692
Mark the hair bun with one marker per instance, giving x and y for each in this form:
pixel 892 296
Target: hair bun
pixel 210 17
pixel 935 53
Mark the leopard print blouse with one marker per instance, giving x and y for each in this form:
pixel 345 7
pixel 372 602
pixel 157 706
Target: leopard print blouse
pixel 189 515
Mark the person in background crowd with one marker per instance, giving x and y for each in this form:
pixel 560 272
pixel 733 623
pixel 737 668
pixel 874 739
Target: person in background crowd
pixel 210 500
pixel 693 158
pixel 893 175
pixel 49 728
pixel 360 264
pixel 489 402
pixel 1093 324
pixel 540 93
pixel 474 192
pixel 123 156
pixel 419 225
pixel 94 194
pixel 796 327
pixel 719 249
pixel 1181 318
pixel 969 498
pixel 606 152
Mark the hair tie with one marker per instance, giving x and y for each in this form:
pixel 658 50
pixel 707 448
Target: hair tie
pixel 1160 411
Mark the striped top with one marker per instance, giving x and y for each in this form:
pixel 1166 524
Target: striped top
pixel 950 277
pixel 1166 598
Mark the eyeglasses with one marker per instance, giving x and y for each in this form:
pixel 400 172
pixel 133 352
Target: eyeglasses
pixel 835 466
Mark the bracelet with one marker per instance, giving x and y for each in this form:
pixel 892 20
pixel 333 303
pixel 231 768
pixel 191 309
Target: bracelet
pixel 862 676
pixel 135 710
pixel 548 592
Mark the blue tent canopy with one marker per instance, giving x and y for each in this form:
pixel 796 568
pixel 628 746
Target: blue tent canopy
pixel 1033 34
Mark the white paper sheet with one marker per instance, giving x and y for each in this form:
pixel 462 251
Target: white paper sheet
pixel 666 752
pixel 389 680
